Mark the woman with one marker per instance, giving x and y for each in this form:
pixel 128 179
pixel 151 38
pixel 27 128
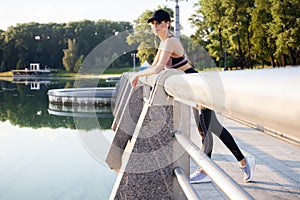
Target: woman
pixel 171 54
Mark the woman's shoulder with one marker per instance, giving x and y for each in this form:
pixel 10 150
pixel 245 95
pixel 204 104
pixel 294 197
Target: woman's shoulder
pixel 172 38
pixel 170 44
pixel 171 41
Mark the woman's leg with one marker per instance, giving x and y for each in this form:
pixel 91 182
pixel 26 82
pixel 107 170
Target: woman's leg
pixel 207 139
pixel 199 175
pixel 213 125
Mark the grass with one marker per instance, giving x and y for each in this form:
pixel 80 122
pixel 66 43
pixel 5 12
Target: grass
pixel 116 71
pixel 108 71
pixel 63 73
pixel 7 74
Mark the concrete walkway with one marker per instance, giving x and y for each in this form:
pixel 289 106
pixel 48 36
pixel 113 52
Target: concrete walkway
pixel 277 171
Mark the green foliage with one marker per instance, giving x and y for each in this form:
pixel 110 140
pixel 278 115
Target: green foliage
pixel 210 21
pixel 285 28
pixel 117 70
pixel 70 55
pixel 78 63
pixel 26 43
pixel 263 43
pixel 3 67
pixel 198 55
pixel 253 31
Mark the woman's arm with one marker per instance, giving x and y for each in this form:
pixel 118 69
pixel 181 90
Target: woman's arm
pixel 163 58
pixel 158 66
pixel 160 61
pixel 155 61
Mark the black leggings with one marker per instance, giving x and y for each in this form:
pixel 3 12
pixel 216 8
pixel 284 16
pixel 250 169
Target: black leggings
pixel 207 124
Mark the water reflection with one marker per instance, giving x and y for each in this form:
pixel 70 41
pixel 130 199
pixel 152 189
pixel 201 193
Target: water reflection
pixel 41 154
pixel 29 108
pixel 80 111
pixel 34 85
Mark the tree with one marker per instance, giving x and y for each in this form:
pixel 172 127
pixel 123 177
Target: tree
pixel 9 50
pixel 210 22
pixel 70 55
pixel 238 32
pixel 285 29
pixel 49 50
pixel 263 43
pixel 198 56
pixel 78 63
pixel 31 42
pixel 253 30
pixel 224 26
pixel 2 37
pixel 3 66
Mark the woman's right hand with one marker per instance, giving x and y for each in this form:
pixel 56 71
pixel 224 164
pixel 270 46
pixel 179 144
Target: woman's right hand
pixel 135 81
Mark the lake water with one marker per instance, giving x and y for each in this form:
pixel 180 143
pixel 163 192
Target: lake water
pixel 51 156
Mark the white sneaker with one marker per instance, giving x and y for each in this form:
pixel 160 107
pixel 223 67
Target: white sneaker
pixel 248 170
pixel 199 177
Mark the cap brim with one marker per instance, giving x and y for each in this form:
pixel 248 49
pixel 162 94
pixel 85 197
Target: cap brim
pixel 152 19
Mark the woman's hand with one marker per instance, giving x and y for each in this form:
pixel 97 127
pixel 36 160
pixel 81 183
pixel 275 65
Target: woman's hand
pixel 135 81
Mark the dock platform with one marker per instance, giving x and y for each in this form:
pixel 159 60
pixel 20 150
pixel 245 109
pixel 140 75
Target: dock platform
pixel 81 96
pixel 33 71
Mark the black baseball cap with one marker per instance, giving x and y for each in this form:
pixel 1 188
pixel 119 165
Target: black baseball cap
pixel 160 15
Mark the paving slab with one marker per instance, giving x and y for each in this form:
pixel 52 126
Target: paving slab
pixel 277 170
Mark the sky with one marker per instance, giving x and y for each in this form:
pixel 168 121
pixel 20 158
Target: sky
pixel 59 11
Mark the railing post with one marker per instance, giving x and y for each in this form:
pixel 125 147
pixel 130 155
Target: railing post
pixel 117 93
pixel 149 156
pixel 123 92
pixel 181 116
pixel 124 123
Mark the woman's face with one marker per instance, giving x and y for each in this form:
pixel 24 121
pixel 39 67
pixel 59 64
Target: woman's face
pixel 159 28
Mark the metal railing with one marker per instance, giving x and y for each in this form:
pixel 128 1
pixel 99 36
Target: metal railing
pixel 227 185
pixel 184 183
pixel 266 98
pixel 234 94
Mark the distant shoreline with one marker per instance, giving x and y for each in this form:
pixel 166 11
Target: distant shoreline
pixel 7 76
pixel 109 73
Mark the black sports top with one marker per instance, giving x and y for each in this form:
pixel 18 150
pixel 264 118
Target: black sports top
pixel 177 62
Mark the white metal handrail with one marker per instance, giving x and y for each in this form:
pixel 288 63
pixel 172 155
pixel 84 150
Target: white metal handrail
pixel 267 97
pixel 227 185
pixel 184 183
